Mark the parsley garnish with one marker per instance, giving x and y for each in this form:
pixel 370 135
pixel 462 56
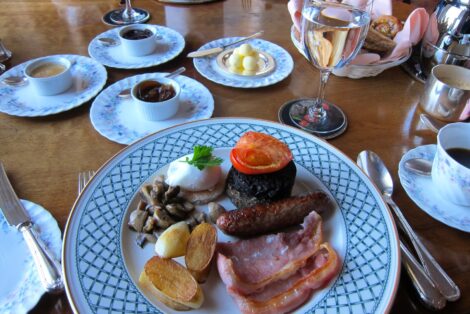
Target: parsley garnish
pixel 203 157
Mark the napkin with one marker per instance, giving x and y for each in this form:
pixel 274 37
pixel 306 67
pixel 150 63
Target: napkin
pixel 411 34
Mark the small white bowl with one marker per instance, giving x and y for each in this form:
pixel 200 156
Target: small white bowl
pixel 47 78
pixel 160 110
pixel 138 47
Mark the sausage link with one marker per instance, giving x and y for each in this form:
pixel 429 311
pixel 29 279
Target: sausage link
pixel 264 218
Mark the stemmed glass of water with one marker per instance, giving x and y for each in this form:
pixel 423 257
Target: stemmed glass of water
pixel 332 34
pixel 127 15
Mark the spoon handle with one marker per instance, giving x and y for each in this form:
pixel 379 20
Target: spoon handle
pixel 426 289
pixel 443 282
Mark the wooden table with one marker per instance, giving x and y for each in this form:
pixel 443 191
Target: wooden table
pixel 44 155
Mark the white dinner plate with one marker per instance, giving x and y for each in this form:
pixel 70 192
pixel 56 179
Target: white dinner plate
pixel 88 77
pixel 102 262
pixel 210 69
pixel 169 47
pixel 421 190
pixel 20 286
pixel 117 119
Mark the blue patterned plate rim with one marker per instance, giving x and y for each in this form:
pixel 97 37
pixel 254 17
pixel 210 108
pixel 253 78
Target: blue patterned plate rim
pixel 208 67
pixel 112 117
pixel 95 273
pixel 421 190
pixel 89 77
pixel 27 290
pixel 115 58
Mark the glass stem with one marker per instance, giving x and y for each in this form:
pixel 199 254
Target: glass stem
pixel 128 11
pixel 317 111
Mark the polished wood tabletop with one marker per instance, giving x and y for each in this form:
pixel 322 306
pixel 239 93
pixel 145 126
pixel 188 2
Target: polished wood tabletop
pixel 44 155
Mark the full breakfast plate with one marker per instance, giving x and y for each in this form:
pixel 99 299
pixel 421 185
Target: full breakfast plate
pixel 20 287
pixel 210 68
pixel 102 263
pixel 169 46
pixel 88 76
pixel 117 119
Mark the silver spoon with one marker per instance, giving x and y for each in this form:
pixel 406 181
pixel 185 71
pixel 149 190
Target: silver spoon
pixel 432 123
pixel 109 42
pixel 374 167
pixel 419 166
pixel 126 93
pixel 20 80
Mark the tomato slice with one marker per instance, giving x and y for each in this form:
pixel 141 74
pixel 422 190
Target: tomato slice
pixel 257 153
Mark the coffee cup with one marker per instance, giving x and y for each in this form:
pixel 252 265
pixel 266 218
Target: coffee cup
pixel 451 164
pixel 138 40
pixel 49 75
pixel 156 99
pixel 446 92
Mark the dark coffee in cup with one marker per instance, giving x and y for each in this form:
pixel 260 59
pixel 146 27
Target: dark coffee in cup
pixel 136 34
pixel 460 155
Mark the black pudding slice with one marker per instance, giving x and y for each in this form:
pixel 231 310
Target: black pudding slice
pixel 246 190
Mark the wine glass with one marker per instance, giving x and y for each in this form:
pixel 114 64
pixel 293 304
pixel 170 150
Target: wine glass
pixel 332 34
pixel 126 16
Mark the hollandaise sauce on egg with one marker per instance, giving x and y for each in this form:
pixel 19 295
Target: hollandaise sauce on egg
pixel 190 178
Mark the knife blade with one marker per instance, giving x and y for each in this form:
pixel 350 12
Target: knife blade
pixel 211 51
pixel 15 214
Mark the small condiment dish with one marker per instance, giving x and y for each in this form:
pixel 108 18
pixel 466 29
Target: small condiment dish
pixel 49 75
pixel 138 40
pixel 156 110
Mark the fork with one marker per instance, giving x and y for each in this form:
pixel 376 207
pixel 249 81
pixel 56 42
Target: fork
pixel 246 4
pixel 83 178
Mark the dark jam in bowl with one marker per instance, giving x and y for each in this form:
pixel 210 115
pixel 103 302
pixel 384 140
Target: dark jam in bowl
pixel 135 34
pixel 152 91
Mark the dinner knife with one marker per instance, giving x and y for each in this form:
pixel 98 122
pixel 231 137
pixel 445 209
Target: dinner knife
pixel 211 51
pixel 16 216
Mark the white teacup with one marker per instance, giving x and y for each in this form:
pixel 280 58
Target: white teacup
pixel 156 110
pixel 49 75
pixel 138 47
pixel 451 177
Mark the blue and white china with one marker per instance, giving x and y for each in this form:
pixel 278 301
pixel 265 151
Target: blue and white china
pixel 427 195
pixel 102 262
pixel 169 45
pixel 118 119
pixel 88 78
pixel 451 177
pixel 211 70
pixel 20 286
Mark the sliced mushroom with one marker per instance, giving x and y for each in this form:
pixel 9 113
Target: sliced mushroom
pixel 137 219
pixel 172 192
pixel 145 194
pixel 142 238
pixel 215 210
pixel 188 206
pixel 158 189
pixel 141 205
pixel 199 216
pixel 191 221
pixel 149 225
pixel 176 210
pixel 162 219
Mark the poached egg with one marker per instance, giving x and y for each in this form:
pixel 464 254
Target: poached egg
pixel 190 178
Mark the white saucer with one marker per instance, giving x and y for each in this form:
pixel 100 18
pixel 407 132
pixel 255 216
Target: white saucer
pixel 209 68
pixel 116 118
pixel 169 46
pixel 421 190
pixel 89 78
pixel 20 287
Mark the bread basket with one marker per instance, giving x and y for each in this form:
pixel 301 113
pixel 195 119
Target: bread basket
pixel 356 71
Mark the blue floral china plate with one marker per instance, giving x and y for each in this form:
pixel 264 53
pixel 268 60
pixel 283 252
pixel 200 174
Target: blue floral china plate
pixel 88 76
pixel 102 262
pixel 211 70
pixel 170 45
pixel 421 190
pixel 116 118
pixel 20 286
